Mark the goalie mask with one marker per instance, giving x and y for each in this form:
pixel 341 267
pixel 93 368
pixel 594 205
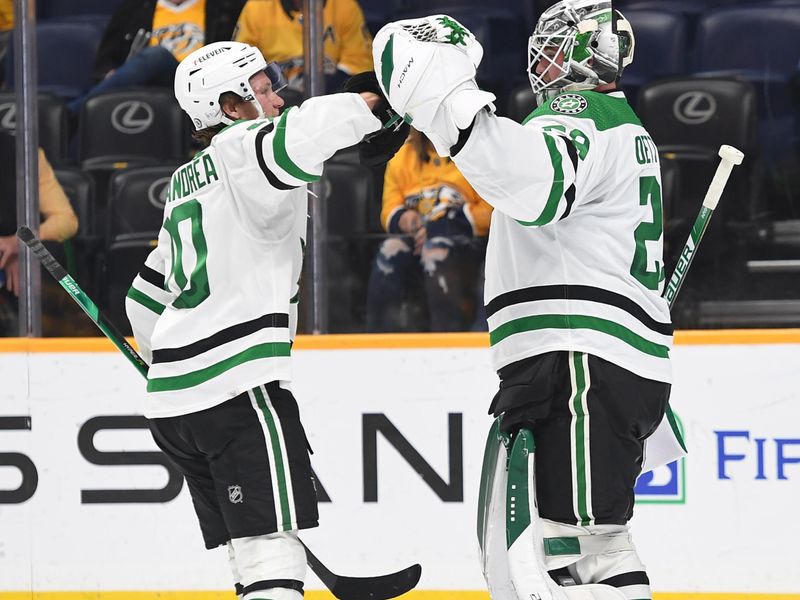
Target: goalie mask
pixel 578 45
pixel 208 72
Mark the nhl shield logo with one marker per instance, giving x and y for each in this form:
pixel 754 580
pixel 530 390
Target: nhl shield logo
pixel 235 494
pixel 569 104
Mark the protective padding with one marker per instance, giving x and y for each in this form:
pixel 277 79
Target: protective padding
pixel 524 538
pixel 492 515
pixel 278 556
pixel 431 83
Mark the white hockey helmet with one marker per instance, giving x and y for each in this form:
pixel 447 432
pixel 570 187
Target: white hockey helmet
pixel 595 41
pixel 208 72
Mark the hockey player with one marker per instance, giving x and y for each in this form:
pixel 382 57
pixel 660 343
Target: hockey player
pixel 579 332
pixel 214 309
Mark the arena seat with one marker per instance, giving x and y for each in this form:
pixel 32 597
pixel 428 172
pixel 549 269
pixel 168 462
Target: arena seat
pixel 81 250
pixel 688 120
pixel 348 193
pixel 58 9
pixel 136 203
pixel 52 124
pixel 143 122
pixel 123 260
pixel 66 53
pixel 661 42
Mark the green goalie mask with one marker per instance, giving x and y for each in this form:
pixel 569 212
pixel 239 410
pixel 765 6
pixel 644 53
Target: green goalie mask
pixel 578 45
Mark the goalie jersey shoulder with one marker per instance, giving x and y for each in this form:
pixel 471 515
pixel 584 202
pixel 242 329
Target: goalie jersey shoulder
pixel 605 111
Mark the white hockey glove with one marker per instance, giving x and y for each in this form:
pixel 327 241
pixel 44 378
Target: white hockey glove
pixel 426 68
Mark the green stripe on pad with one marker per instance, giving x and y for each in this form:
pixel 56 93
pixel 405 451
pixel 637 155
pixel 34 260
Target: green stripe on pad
pixel 146 301
pixel 180 382
pixel 562 546
pixel 282 158
pixel 537 322
pixel 280 473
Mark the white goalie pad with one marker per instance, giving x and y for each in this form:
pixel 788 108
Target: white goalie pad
pixel 665 445
pixel 426 68
pixel 511 534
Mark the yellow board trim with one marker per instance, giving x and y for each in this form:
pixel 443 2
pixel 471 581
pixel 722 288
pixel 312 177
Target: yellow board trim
pixel 386 341
pixel 316 595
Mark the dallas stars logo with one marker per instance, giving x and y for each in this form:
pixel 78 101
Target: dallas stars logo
pixel 569 104
pixel 457 33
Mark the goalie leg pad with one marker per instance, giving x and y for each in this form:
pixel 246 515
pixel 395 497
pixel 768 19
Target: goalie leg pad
pixel 533 546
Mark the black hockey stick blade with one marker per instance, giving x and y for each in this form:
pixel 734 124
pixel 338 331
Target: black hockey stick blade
pixel 381 587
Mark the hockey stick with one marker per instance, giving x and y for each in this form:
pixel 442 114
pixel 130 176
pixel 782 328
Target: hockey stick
pixel 381 587
pixel 730 157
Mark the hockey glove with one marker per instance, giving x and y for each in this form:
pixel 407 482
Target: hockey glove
pixel 377 148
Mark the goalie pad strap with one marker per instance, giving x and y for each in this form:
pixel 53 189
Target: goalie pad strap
pixel 268 584
pixel 585 545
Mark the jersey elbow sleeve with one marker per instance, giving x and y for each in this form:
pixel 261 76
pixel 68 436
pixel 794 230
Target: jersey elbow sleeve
pixel 303 138
pixel 537 187
pixel 146 300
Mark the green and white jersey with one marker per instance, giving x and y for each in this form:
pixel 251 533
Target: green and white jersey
pixel 214 309
pixel 574 260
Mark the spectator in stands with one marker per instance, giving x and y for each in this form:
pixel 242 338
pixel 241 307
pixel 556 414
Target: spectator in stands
pixel 442 225
pixel 6 25
pixel 276 28
pixel 59 223
pixel 145 40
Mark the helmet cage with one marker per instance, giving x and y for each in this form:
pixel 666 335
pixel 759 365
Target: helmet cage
pixel 588 51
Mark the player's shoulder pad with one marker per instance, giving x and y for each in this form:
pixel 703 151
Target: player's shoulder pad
pixel 604 110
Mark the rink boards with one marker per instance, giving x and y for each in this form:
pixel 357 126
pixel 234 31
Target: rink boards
pixel 88 509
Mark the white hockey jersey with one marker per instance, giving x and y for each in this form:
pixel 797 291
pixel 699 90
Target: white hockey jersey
pixel 574 260
pixel 214 309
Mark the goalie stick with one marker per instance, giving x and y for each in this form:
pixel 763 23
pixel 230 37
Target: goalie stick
pixel 381 587
pixel 730 157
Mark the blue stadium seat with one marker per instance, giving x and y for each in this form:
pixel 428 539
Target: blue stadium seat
pixel 661 42
pixel 66 53
pixel 57 9
pixel 760 44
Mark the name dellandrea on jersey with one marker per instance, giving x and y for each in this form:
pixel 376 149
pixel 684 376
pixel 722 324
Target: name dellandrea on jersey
pixel 574 259
pixel 214 309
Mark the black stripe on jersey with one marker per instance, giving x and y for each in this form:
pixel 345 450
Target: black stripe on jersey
pixel 569 195
pixel 273 320
pixel 626 579
pixel 152 276
pixel 463 136
pixel 273 180
pixel 578 292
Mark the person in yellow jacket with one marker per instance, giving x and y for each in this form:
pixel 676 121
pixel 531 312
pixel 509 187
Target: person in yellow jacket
pixel 6 25
pixel 433 263
pixel 58 224
pixel 276 28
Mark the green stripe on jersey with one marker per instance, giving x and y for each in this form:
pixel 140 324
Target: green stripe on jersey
pixel 534 323
pixel 556 189
pixel 579 420
pixel 145 301
pixel 605 111
pixel 181 382
pixel 280 472
pixel 282 157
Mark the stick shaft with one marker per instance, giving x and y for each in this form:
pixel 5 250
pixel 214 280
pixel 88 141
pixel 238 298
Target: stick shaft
pixel 730 158
pixel 66 281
